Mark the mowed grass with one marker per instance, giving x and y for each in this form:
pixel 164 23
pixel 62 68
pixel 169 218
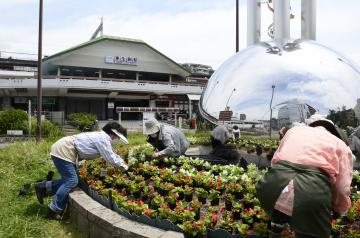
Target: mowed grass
pixel 23 216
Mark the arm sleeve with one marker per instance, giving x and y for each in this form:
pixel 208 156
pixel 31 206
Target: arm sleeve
pixel 106 151
pixel 341 189
pixel 170 149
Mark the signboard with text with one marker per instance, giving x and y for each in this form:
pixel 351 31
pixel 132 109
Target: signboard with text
pixel 127 60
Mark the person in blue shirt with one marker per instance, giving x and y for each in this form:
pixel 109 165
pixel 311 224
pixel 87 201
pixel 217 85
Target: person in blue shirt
pixel 66 153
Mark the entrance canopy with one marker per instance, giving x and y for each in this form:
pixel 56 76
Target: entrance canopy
pixel 147 109
pixel 194 97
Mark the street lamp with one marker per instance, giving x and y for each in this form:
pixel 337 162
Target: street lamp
pixel 272 96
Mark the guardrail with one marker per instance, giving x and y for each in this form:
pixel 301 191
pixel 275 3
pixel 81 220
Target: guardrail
pixel 201 84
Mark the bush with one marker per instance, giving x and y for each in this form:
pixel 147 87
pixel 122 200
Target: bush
pixel 12 119
pixel 82 120
pixel 48 129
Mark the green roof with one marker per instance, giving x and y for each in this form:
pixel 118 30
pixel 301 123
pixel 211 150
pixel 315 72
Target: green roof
pixel 113 38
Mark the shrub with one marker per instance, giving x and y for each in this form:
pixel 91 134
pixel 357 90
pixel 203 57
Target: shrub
pixel 12 119
pixel 48 129
pixel 82 120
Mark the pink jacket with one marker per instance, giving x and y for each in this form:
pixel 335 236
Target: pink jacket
pixel 317 147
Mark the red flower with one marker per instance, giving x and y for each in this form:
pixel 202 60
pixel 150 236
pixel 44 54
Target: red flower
pixel 148 212
pixel 214 218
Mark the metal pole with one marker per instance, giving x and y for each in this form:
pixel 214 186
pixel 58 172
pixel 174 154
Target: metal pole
pixel 272 96
pixel 308 19
pixel 253 21
pixel 29 117
pixel 281 19
pixel 237 26
pixel 39 87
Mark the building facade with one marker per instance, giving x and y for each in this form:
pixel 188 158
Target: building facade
pixel 100 75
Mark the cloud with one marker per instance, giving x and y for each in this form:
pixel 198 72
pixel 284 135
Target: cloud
pixel 185 30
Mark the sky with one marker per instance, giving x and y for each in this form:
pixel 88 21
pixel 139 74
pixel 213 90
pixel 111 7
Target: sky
pixel 196 31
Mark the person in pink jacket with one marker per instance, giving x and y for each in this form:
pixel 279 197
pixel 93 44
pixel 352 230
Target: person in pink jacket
pixel 309 180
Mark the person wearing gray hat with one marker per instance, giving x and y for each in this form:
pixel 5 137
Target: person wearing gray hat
pixel 223 152
pixel 65 154
pixel 168 140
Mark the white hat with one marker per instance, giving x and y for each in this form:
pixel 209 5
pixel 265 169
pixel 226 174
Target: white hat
pixel 319 120
pixel 121 136
pixel 151 127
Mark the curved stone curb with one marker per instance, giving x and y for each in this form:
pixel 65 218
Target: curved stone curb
pixel 100 222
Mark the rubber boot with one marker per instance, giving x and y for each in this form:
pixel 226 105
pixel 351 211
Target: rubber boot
pixel 40 190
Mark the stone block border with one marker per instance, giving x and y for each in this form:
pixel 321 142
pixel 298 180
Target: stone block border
pixel 97 221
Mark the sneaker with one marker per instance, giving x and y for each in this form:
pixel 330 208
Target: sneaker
pixel 40 191
pixel 54 215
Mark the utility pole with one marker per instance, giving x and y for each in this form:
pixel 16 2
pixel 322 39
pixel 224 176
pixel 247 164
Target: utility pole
pixel 237 26
pixel 39 86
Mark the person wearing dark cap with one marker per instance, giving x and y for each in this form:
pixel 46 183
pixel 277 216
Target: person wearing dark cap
pixel 65 154
pixel 168 140
pixel 309 180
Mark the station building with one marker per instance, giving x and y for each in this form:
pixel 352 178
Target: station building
pixel 99 76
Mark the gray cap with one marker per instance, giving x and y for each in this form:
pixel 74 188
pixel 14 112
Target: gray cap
pixel 220 133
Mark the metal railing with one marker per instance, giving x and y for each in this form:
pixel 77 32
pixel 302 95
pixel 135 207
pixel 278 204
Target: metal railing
pixel 106 80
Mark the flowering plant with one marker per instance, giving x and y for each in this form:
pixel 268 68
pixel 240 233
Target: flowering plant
pixel 194 228
pixel 210 219
pixel 241 228
pixel 195 204
pixel 227 220
pixel 260 228
pixel 150 213
pixel 188 190
pixel 164 211
pixel 247 215
pixel 214 196
pixel 157 201
pixel 121 182
pixel 261 215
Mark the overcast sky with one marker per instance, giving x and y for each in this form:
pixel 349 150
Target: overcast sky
pixel 198 31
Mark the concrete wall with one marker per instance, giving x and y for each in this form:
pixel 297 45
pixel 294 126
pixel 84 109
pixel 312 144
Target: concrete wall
pixel 98 221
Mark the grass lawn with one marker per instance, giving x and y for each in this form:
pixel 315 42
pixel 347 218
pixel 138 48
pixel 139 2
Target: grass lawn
pixel 23 216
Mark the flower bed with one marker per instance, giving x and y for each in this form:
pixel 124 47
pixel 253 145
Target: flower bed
pixel 247 143
pixel 188 195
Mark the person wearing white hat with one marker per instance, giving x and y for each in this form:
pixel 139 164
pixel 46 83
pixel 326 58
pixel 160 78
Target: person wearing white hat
pixel 65 154
pixel 309 180
pixel 168 140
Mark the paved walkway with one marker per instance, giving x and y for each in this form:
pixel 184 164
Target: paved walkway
pixel 2 145
pixel 259 161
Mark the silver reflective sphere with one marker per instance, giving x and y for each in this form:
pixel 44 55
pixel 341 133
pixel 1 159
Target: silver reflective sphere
pixel 302 76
